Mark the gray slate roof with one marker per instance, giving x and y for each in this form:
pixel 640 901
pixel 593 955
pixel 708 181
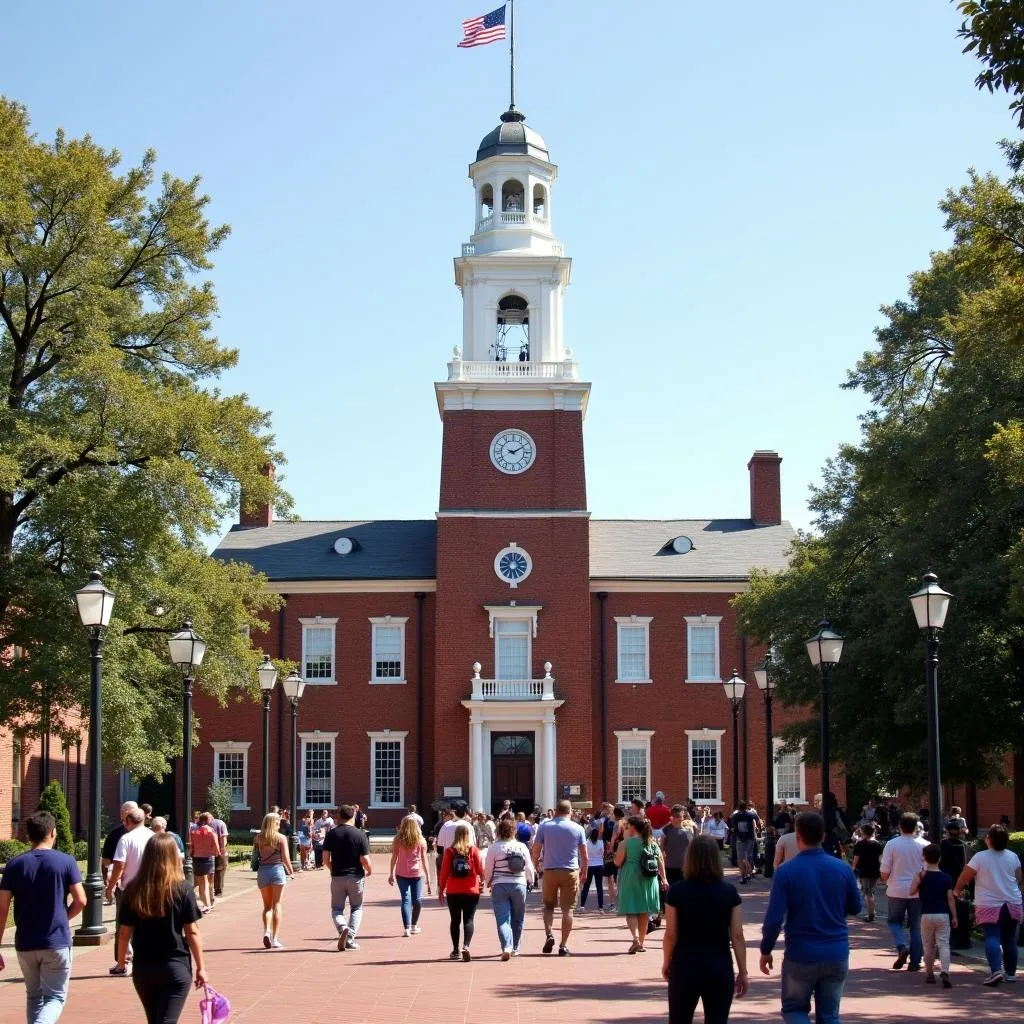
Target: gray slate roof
pixel 723 549
pixel 513 135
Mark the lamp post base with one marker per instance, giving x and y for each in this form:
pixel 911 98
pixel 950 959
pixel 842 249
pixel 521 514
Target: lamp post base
pixel 92 938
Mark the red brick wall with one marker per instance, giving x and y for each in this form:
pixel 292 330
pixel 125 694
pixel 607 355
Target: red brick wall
pixel 765 488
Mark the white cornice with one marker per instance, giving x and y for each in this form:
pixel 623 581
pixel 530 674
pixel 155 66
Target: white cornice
pixel 351 586
pixel 513 396
pixel 667 586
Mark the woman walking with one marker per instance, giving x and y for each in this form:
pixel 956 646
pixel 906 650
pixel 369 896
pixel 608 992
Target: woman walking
pixel 508 870
pixel 159 916
pixel 205 846
pixel 997 902
pixel 409 868
pixel 641 877
pixel 275 864
pixel 703 917
pixel 595 866
pixel 462 871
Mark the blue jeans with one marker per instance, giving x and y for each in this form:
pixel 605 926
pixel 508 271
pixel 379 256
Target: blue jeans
pixel 47 973
pixel 509 902
pixel 410 889
pixel 347 887
pixel 1001 943
pixel 911 909
pixel 825 980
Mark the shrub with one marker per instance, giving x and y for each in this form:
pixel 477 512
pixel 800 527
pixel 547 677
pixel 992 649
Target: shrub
pixel 10 848
pixel 218 800
pixel 52 800
pixel 81 850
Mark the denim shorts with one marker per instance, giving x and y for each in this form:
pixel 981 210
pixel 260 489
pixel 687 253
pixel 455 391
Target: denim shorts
pixel 270 874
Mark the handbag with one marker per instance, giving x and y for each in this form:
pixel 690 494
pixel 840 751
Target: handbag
pixel 254 859
pixel 213 1007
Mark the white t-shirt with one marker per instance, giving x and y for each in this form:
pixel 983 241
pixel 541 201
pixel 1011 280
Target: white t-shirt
pixel 446 836
pixel 718 828
pixel 903 861
pixel 496 863
pixel 129 853
pixel 595 852
pixel 788 845
pixel 996 883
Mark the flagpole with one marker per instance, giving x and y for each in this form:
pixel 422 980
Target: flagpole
pixel 512 54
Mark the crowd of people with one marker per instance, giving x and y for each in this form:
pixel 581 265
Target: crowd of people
pixel 663 866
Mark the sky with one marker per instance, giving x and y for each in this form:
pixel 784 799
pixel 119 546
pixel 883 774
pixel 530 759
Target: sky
pixel 741 187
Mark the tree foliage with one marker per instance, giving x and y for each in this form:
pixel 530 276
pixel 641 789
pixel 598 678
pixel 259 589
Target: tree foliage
pixel 994 30
pixel 117 450
pixel 935 482
pixel 219 800
pixel 52 799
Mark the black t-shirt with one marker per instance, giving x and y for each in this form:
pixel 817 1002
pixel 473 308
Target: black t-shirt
pixel 703 913
pixel 285 829
pixel 932 890
pixel 346 845
pixel 783 821
pixel 110 842
pixel 870 853
pixel 159 939
pixel 953 857
pixel 743 825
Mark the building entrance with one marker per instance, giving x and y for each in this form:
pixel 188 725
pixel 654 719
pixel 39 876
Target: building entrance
pixel 512 771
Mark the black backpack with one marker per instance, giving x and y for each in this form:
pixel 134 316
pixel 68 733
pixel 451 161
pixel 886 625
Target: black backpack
pixel 649 861
pixel 461 867
pixel 515 862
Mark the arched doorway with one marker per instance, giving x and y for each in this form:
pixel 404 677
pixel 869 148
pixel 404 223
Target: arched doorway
pixel 512 771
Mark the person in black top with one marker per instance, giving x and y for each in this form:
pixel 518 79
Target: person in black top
pixel 160 917
pixel 952 860
pixel 935 889
pixel 703 916
pixel 347 857
pixel 867 866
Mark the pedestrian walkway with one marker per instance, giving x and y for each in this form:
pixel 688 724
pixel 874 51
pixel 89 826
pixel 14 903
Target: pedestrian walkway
pixel 396 979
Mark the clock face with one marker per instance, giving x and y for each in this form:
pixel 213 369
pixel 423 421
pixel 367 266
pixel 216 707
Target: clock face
pixel 513 565
pixel 513 451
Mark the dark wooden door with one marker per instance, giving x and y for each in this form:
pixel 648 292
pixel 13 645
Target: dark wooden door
pixel 512 771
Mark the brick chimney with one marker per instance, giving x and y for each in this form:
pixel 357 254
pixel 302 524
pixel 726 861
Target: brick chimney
pixel 765 488
pixel 258 515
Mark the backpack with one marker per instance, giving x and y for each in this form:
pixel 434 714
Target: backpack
pixel 461 867
pixel 649 861
pixel 515 861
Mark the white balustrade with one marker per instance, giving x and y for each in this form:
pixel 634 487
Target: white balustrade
pixel 463 369
pixel 511 219
pixel 513 689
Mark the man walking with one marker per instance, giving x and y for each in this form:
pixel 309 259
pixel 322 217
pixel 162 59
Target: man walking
pixel 127 859
pixel 812 895
pixel 347 857
pixel 112 838
pixel 563 845
pixel 40 882
pixel 902 865
pixel 220 864
pixel 744 825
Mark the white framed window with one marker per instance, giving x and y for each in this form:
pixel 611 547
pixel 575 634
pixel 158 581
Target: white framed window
pixel 318 639
pixel 387 657
pixel 231 764
pixel 634 648
pixel 704 757
pixel 702 655
pixel 790 778
pixel 634 763
pixel 317 788
pixel 512 649
pixel 387 768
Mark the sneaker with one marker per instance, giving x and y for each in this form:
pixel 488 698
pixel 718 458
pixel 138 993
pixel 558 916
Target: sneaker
pixel 466 955
pixel 564 951
pixel 406 932
pixel 549 944
pixel 929 978
pixel 1009 978
pixel 454 955
pixel 901 960
pixel 351 944
pixel 515 952
pixel 914 967
pixel 871 918
pixel 416 929
pixel 342 939
pixel 121 972
pixel 266 940
pixel 276 943
pixel 506 954
pixel 992 980
pixel 946 983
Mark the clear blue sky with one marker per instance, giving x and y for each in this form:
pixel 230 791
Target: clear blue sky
pixel 741 187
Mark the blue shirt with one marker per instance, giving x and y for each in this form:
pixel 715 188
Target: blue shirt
pixel 40 880
pixel 561 840
pixel 932 890
pixel 813 894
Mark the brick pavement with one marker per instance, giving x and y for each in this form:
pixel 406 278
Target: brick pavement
pixel 394 979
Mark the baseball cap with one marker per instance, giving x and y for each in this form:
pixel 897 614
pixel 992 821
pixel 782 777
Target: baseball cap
pixel 659 795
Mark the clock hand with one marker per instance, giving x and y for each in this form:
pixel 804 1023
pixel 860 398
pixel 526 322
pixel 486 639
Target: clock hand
pixel 510 452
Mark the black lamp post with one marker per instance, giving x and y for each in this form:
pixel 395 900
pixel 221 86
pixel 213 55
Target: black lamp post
pixel 825 649
pixel 95 603
pixel 268 679
pixel 294 685
pixel 734 690
pixel 187 648
pixel 930 604
pixel 765 680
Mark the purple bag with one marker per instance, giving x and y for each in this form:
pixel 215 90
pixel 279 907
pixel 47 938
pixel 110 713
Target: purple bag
pixel 213 1007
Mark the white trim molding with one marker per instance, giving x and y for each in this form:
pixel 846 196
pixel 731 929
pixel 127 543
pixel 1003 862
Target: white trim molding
pixel 633 622
pixel 387 622
pixel 233 747
pixel 633 739
pixel 316 736
pixel 777 749
pixel 512 611
pixel 656 586
pixel 320 622
pixel 706 735
pixel 349 586
pixel 386 736
pixel 704 622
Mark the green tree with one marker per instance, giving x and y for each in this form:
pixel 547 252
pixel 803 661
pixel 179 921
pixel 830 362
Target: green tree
pixel 933 483
pixel 52 799
pixel 117 450
pixel 219 800
pixel 994 30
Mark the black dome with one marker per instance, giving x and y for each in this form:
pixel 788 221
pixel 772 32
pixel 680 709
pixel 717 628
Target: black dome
pixel 513 135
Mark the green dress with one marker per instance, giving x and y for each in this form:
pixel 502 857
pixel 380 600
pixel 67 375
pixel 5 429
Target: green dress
pixel 637 893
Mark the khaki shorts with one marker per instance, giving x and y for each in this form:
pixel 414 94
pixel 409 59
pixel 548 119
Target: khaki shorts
pixel 561 884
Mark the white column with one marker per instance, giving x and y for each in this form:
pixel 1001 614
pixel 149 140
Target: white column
pixel 476 764
pixel 548 785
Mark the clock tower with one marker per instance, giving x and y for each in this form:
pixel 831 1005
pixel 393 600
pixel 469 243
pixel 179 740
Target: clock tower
pixel 513 606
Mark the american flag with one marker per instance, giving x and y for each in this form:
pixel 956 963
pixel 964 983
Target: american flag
pixel 488 28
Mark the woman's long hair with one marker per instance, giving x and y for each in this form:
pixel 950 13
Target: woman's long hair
pixel 151 891
pixel 461 843
pixel 642 825
pixel 270 830
pixel 703 860
pixel 409 835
